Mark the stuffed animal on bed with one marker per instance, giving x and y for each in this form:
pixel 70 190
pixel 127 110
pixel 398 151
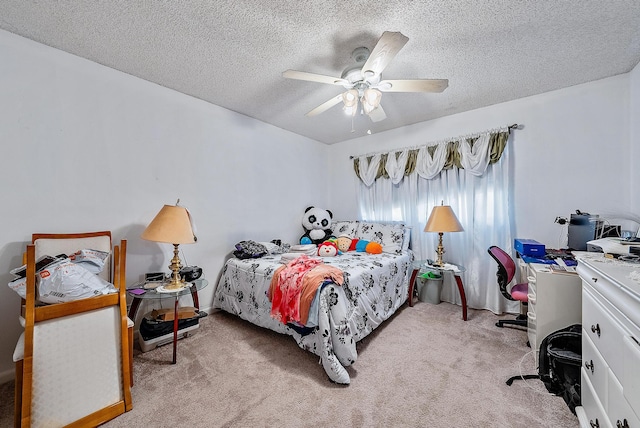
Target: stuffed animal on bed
pixel 364 246
pixel 344 243
pixel 328 249
pixel 316 223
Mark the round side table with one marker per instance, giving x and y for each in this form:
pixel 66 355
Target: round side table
pixel 422 266
pixel 143 291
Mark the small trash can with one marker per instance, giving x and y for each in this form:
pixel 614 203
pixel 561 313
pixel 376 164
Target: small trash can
pixel 430 287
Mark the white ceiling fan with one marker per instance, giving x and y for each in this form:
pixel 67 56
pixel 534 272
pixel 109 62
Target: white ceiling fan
pixel 363 81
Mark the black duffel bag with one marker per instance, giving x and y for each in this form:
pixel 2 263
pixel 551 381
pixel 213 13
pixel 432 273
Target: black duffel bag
pixel 559 364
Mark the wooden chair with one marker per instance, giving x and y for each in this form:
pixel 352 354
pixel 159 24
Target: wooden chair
pixel 67 243
pixel 76 367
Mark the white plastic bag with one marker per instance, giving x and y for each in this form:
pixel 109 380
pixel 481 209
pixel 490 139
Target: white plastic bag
pixel 19 285
pixel 92 260
pixel 64 281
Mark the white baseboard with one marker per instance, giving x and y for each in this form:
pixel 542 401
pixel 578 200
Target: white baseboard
pixel 7 376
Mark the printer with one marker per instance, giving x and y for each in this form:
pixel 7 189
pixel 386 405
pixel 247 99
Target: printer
pixel 582 228
pixel 614 245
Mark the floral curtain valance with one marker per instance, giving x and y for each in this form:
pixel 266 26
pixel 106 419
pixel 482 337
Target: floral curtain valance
pixel 473 154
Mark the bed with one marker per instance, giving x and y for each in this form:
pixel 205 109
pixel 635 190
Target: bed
pixel 374 287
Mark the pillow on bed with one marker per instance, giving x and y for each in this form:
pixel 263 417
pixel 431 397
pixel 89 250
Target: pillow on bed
pixel 390 236
pixel 406 239
pixel 275 248
pixel 349 228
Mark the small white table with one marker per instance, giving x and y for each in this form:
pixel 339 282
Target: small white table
pixel 455 270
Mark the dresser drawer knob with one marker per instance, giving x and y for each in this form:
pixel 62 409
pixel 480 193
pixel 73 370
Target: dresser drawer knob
pixel 589 365
pixel 596 329
pixel 595 424
pixel 623 424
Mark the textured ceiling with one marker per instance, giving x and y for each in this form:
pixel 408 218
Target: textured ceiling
pixel 232 52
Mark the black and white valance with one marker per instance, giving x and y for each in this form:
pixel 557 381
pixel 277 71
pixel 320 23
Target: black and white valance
pixel 472 153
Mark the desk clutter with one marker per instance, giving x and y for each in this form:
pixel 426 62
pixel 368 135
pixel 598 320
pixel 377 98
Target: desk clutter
pixel 431 264
pixel 531 251
pixel 551 257
pixel 563 260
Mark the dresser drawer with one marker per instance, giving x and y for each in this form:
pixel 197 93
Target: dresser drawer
pixel 631 374
pixel 618 409
pixel 596 416
pixel 531 333
pixel 531 298
pixel 531 292
pixel 594 366
pixel 610 326
pixel 605 333
pixel 531 279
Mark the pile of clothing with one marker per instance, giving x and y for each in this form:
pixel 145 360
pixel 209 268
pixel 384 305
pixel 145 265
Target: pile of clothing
pixel 294 290
pixel 252 250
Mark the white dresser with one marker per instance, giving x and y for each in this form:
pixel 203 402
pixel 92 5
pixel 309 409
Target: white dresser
pixel 554 302
pixel 610 382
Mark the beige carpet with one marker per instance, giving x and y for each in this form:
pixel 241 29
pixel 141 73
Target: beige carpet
pixel 423 368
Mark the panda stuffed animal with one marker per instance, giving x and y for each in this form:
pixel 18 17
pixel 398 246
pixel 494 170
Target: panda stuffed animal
pixel 316 223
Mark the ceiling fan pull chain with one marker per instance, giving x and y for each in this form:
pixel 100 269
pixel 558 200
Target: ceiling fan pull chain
pixel 352 128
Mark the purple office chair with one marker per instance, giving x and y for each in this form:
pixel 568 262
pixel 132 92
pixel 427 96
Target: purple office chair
pixel 506 271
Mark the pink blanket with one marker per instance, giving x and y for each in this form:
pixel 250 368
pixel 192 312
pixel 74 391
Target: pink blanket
pixel 294 286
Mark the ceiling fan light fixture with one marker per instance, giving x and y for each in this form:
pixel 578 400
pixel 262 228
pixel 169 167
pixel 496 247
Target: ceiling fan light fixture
pixel 350 101
pixel 350 111
pixel 371 99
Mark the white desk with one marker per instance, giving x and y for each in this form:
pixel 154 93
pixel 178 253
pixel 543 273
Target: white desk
pixel 555 302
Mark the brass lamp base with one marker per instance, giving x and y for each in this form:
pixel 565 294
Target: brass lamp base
pixel 176 282
pixel 440 250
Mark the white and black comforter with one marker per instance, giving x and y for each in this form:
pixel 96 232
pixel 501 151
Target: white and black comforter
pixel 375 286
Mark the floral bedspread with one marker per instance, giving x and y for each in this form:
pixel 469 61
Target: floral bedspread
pixel 375 286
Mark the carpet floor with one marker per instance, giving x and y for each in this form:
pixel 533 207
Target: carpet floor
pixel 424 367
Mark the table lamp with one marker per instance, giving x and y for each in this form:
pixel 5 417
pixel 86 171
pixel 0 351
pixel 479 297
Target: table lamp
pixel 172 225
pixel 442 219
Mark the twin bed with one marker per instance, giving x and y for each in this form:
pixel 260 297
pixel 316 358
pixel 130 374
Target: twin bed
pixel 374 287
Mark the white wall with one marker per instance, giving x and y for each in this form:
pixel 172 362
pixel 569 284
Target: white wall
pixel 634 158
pixel 89 148
pixel 572 153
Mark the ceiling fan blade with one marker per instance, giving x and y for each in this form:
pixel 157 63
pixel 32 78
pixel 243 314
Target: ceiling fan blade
pixel 325 106
pixel 312 77
pixel 416 85
pixel 377 114
pixel 385 50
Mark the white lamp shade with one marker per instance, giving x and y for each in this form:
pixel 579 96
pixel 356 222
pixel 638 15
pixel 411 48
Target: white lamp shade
pixel 371 99
pixel 171 225
pixel 443 219
pixel 350 101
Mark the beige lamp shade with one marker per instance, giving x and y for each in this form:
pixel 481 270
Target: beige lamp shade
pixel 443 219
pixel 171 225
